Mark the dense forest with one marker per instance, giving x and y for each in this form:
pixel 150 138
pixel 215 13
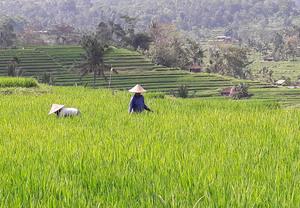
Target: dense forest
pixel 188 15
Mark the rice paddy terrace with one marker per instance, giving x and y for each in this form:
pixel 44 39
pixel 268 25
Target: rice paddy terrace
pixel 289 69
pixel 133 68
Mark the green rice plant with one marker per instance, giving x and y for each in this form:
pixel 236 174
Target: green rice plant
pixel 189 153
pixel 6 82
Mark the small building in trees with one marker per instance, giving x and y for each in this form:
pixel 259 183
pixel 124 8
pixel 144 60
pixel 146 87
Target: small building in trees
pixel 236 92
pixel 196 68
pixel 268 58
pixel 229 91
pixel 281 82
pixel 226 91
pixel 224 38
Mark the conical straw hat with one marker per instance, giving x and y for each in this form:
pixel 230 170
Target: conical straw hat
pixel 137 89
pixel 55 108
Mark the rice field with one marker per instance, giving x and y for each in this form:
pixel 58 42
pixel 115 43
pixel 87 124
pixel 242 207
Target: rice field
pixel 189 153
pixel 132 67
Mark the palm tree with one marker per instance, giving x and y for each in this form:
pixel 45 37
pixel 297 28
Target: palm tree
pixel 13 67
pixel 92 59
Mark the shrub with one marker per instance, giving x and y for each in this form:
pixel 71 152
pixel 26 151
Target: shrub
pixel 18 82
pixel 13 69
pixel 240 91
pixel 47 78
pixel 182 92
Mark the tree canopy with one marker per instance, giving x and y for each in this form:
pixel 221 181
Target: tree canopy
pixel 186 14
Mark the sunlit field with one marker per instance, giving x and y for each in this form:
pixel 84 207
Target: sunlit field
pixel 188 153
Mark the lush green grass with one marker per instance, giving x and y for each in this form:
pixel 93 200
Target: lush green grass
pixel 17 82
pixel 189 153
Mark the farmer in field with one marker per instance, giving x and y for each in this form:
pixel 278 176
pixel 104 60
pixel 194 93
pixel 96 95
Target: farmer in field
pixel 137 102
pixel 61 111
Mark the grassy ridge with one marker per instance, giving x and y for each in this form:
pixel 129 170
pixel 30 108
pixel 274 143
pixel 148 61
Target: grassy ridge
pixel 216 154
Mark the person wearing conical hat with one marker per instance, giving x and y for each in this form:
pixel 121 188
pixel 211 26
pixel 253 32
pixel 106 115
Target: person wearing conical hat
pixel 61 111
pixel 137 102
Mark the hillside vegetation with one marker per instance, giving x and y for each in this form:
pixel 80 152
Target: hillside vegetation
pixel 187 15
pixel 132 69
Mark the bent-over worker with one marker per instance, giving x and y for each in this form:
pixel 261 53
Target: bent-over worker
pixel 61 111
pixel 137 102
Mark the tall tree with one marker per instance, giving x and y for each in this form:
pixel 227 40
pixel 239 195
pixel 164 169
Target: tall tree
pixel 92 60
pixel 7 34
pixel 230 60
pixel 292 47
pixel 111 33
pixel 278 42
pixel 196 52
pixel 141 40
pixel 104 33
pixel 13 67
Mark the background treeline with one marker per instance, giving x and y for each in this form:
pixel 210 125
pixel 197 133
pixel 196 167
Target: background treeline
pixel 186 14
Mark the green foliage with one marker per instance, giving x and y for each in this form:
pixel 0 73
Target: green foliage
pixel 196 52
pixel 181 92
pixel 230 60
pixel 93 58
pixel 111 33
pixel 266 75
pixel 171 49
pixel 141 41
pixel 281 45
pixel 278 52
pixel 17 82
pixel 187 16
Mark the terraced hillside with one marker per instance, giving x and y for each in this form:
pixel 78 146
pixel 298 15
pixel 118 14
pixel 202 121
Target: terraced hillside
pixel 59 60
pixel 133 68
pixel 289 69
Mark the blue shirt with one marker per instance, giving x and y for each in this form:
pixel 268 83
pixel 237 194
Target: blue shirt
pixel 137 104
